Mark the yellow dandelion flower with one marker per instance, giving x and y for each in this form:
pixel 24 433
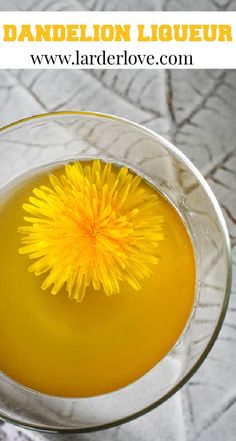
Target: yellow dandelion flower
pixel 91 225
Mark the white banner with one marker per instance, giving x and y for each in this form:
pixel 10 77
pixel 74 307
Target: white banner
pixel 123 40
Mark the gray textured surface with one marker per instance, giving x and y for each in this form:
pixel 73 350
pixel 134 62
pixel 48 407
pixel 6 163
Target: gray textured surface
pixel 196 110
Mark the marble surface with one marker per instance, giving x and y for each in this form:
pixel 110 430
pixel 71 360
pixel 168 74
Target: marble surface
pixel 194 109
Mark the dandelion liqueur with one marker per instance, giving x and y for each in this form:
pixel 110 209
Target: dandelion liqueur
pixel 97 275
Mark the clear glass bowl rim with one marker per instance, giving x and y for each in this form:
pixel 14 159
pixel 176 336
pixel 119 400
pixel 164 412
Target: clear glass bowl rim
pixel 180 156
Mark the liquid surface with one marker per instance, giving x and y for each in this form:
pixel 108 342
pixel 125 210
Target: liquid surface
pixel 64 348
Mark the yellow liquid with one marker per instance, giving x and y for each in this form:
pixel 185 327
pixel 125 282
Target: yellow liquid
pixel 60 347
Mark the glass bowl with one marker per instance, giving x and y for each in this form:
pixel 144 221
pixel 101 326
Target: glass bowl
pixel 42 139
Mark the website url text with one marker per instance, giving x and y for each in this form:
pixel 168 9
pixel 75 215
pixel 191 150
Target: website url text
pixel 107 59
